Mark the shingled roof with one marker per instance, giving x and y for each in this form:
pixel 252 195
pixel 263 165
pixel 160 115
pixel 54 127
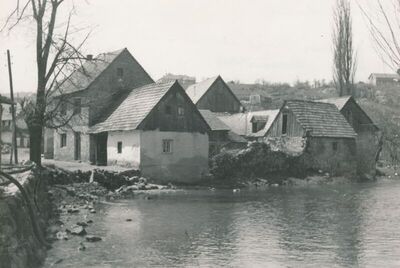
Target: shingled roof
pixel 5 100
pixel 213 121
pixel 196 91
pixel 339 102
pixel 134 109
pixel 321 119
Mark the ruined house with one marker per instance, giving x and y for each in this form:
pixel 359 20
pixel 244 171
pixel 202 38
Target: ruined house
pixel 158 130
pixel 220 135
pixel 323 132
pixel 368 134
pixel 86 97
pixel 215 95
pixel 250 125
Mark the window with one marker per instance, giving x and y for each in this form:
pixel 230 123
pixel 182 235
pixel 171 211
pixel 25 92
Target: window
pixel 168 109
pixel 120 72
pixel 63 108
pixel 119 147
pixel 63 139
pixel 334 146
pixel 181 111
pixel 167 146
pixel 284 123
pixel 77 106
pixel 254 127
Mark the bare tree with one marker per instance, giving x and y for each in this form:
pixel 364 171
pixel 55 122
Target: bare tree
pixel 56 59
pixel 344 59
pixel 384 25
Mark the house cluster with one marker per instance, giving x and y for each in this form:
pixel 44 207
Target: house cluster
pixel 168 129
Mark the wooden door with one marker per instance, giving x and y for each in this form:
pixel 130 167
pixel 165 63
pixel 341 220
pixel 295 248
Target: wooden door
pixel 77 146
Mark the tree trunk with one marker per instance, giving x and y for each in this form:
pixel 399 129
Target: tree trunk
pixel 35 140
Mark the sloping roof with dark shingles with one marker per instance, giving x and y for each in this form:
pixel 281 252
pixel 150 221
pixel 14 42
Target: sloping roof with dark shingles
pixel 134 109
pixel 213 121
pixel 321 119
pixel 5 100
pixel 88 72
pixel 339 102
pixel 196 91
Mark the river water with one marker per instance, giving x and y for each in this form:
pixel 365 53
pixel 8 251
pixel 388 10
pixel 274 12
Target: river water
pixel 350 225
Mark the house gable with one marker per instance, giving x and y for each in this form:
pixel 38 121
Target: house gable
pixel 219 98
pixel 175 112
pixel 357 117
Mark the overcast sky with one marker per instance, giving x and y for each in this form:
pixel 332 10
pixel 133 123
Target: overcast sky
pixel 275 40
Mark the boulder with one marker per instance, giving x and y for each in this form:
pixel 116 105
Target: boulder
pixel 82 223
pixel 78 230
pixel 92 238
pixel 62 235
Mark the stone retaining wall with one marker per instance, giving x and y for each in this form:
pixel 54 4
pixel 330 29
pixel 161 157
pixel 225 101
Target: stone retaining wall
pixel 18 245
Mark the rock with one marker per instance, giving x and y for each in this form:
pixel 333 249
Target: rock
pixel 151 187
pixel 78 230
pixel 274 185
pixel 236 190
pixel 82 223
pixel 73 210
pixel 143 180
pixel 128 219
pixel 92 238
pixel 92 210
pixel 62 235
pixel 89 221
pixel 58 261
pixel 141 186
pixel 81 247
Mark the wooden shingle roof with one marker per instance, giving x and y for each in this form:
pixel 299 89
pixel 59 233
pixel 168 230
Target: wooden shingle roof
pixel 88 72
pixel 213 121
pixel 339 102
pixel 134 109
pixel 321 119
pixel 196 91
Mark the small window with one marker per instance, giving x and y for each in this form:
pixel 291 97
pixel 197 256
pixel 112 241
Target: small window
pixel 77 106
pixel 168 109
pixel 254 127
pixel 63 139
pixel 119 147
pixel 284 123
pixel 63 108
pixel 10 109
pixel 334 146
pixel 120 72
pixel 167 146
pixel 181 111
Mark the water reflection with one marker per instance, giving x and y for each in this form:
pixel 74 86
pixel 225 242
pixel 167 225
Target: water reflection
pixel 327 226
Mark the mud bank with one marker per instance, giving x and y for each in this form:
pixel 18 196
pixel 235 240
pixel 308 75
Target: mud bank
pixel 19 247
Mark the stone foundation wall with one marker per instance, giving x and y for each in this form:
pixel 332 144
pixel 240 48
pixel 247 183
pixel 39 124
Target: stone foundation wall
pixel 18 245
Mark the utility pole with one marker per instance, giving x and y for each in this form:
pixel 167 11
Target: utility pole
pixel 14 134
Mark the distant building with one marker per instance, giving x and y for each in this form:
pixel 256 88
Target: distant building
pixel 184 80
pixel 157 130
pixel 215 95
pixel 330 141
pixel 368 134
pixel 382 79
pixel 6 126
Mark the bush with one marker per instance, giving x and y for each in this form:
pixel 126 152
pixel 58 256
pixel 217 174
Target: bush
pixel 256 161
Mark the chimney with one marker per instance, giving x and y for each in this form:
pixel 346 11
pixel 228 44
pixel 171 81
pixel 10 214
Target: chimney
pixel 89 57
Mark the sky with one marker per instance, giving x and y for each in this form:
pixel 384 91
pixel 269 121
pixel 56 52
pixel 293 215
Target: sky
pixel 273 40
